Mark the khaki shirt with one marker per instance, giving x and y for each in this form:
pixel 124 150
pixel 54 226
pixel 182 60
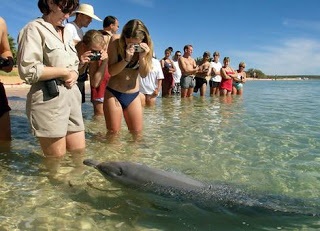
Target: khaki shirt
pixel 39 45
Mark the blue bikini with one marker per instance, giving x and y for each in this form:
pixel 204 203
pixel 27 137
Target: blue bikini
pixel 124 98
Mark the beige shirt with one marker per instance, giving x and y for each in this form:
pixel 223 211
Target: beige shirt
pixel 39 45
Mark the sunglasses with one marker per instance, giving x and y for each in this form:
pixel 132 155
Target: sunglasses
pixel 65 10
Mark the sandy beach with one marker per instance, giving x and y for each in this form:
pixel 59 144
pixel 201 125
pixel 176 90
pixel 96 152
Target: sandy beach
pixel 14 86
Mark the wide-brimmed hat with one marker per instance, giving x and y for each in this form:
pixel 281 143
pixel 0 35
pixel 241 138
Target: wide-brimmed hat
pixel 87 10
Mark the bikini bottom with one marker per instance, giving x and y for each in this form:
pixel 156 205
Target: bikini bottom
pixel 124 98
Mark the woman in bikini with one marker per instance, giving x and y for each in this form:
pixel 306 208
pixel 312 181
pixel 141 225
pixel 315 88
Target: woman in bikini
pixel 227 74
pixel 130 54
pixel 237 88
pixel 168 69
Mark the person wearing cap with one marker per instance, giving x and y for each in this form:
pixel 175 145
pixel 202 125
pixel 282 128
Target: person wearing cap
pixel 204 71
pixel 215 80
pixel 84 15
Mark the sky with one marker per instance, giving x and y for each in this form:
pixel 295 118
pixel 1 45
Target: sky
pixel 278 37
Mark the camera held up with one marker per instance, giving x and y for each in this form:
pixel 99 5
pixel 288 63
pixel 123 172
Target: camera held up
pixel 96 55
pixel 5 62
pixel 138 48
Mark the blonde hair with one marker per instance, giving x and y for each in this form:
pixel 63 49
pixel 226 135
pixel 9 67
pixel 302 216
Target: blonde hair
pixel 242 64
pixel 135 28
pixel 93 37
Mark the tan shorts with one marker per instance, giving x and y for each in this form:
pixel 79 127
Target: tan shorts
pixel 54 117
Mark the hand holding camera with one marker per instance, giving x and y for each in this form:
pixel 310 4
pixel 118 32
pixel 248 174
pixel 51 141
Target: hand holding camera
pixel 6 64
pixel 95 56
pixel 138 48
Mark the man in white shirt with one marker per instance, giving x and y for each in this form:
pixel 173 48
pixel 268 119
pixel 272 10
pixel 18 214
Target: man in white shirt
pixel 177 73
pixel 215 80
pixel 151 85
pixel 84 15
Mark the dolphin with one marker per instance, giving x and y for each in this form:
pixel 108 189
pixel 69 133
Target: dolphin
pixel 220 196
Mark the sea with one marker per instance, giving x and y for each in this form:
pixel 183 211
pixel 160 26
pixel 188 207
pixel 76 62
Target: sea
pixel 266 140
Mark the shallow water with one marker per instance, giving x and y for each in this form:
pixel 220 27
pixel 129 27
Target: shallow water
pixel 268 139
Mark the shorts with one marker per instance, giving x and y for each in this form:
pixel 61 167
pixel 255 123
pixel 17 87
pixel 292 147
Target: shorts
pixel 214 84
pixel 199 82
pixel 187 81
pixel 97 93
pixel 54 117
pixel 4 106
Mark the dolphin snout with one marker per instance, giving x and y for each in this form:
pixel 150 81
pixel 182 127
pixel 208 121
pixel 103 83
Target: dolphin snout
pixel 90 162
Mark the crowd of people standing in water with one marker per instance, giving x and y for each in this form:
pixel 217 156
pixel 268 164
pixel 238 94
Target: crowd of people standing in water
pixel 124 74
pixel 185 76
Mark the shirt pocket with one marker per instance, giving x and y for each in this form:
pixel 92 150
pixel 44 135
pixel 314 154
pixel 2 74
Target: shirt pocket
pixel 54 54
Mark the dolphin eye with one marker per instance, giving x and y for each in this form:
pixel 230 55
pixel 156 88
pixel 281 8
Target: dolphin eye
pixel 120 172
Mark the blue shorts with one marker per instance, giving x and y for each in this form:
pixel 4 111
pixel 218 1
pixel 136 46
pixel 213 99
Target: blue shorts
pixel 187 81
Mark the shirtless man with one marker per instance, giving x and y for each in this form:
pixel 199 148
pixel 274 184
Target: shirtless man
pixel 189 69
pixel 201 76
pixel 6 65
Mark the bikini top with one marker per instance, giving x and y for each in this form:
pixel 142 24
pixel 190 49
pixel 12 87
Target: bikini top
pixel 166 64
pixel 131 65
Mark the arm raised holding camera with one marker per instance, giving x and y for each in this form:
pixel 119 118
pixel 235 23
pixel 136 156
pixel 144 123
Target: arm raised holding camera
pixel 6 60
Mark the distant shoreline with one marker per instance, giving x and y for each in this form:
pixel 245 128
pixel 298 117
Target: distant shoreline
pixel 15 81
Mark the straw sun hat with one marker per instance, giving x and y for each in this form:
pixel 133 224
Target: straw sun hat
pixel 87 10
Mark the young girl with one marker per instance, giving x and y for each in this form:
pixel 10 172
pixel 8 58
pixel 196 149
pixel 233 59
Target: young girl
pixel 94 60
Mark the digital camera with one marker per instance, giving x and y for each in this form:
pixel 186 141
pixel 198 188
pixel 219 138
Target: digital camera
pixel 4 62
pixel 96 55
pixel 138 48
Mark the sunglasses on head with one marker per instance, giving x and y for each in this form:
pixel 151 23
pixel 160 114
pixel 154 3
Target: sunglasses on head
pixel 65 9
